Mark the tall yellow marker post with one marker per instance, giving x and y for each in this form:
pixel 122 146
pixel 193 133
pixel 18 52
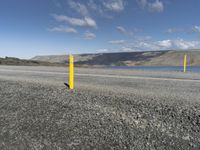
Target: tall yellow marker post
pixel 71 72
pixel 185 63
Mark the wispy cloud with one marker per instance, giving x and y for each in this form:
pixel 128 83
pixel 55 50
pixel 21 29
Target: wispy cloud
pixel 102 50
pixel 127 49
pixel 99 9
pixel 84 22
pixel 121 29
pixel 93 6
pixel 114 5
pixel 127 32
pixel 117 42
pixel 175 30
pixel 142 3
pixel 63 29
pixel 89 36
pixel 196 29
pixel 79 7
pixel 156 6
pixel 57 3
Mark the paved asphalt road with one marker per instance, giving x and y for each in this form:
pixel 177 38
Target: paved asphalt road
pixel 109 109
pixel 175 84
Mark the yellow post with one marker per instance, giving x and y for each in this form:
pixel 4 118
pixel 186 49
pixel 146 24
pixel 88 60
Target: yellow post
pixel 185 63
pixel 71 72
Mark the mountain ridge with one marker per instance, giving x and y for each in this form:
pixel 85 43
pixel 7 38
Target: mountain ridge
pixel 145 58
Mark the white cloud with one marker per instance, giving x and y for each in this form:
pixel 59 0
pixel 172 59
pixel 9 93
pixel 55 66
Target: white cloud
pixel 166 44
pixel 86 9
pixel 146 45
pixel 182 44
pixel 84 22
pixel 121 29
pixel 89 36
pixel 177 44
pixel 117 42
pixel 114 5
pixel 156 6
pixel 63 29
pixel 78 7
pixel 196 29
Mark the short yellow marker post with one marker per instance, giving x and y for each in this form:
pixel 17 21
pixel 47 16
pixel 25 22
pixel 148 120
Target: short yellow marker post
pixel 71 72
pixel 185 63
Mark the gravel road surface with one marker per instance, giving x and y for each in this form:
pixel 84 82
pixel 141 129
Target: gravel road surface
pixel 109 109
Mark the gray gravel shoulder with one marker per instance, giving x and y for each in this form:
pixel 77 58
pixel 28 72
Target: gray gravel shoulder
pixel 39 116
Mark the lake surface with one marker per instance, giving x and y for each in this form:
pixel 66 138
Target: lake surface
pixel 159 68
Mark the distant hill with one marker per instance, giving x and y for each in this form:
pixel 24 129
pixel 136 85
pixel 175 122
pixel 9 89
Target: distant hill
pixel 147 58
pixel 17 61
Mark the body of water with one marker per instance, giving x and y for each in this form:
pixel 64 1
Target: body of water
pixel 160 68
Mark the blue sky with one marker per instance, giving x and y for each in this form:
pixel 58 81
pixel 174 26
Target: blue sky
pixel 45 27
